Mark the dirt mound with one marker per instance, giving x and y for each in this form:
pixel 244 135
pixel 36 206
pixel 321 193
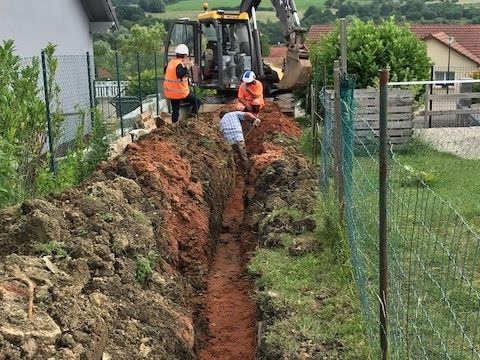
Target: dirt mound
pixel 153 214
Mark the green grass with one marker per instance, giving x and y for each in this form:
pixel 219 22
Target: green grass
pixel 262 16
pixel 313 297
pixel 197 5
pixel 457 178
pixel 432 254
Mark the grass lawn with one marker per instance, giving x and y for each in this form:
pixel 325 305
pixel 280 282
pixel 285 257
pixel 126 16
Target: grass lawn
pixel 313 297
pixel 433 277
pixel 193 5
pixel 262 16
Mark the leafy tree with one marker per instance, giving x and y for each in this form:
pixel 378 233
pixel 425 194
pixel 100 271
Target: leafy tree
pixel 156 6
pixel 101 48
pixel 372 47
pixel 130 12
pixel 143 39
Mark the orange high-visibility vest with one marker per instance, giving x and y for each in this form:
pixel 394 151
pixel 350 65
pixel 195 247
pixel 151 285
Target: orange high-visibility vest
pixel 173 87
pixel 256 88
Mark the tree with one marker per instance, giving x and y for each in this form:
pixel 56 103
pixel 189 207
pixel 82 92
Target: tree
pixel 132 13
pixel 372 47
pixel 157 6
pixel 143 39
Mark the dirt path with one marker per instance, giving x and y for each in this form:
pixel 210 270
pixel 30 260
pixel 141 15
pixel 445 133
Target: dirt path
pixel 230 312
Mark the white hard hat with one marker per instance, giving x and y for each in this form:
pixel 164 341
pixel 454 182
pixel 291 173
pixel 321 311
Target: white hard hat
pixel 181 49
pixel 248 76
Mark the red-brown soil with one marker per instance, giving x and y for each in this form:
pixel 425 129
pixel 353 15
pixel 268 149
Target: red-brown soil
pixel 230 311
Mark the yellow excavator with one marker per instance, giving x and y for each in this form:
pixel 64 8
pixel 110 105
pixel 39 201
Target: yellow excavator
pixel 224 44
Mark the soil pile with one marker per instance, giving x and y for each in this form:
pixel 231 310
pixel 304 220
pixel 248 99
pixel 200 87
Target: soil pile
pixel 117 260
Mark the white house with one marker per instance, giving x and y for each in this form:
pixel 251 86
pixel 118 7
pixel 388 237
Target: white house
pixel 68 24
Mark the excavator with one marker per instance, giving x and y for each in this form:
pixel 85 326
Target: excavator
pixel 224 44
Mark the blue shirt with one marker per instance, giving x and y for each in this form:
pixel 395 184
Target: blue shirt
pixel 231 126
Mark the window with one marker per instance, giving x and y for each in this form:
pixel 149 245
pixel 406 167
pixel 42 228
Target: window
pixel 443 76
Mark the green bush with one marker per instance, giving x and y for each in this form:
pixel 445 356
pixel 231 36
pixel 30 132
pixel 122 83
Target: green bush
pixel 371 47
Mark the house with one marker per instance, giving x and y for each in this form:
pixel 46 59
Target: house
pixel 454 49
pixel 68 24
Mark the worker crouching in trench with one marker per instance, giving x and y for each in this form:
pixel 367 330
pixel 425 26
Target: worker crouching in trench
pixel 250 94
pixel 231 128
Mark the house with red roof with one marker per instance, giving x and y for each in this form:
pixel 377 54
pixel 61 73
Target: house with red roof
pixel 454 49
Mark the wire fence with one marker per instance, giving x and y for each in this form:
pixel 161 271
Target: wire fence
pixel 61 110
pixel 433 220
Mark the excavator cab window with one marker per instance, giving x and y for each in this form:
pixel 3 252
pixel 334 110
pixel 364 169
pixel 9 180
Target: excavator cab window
pixel 181 32
pixel 236 51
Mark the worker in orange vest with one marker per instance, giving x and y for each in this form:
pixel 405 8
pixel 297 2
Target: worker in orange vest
pixel 175 85
pixel 250 94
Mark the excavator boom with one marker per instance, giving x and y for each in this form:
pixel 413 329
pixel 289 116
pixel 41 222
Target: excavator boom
pixel 297 66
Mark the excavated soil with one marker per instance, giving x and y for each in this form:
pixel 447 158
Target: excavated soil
pixel 162 204
pixel 162 200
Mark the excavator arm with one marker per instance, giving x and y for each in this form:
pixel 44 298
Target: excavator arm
pixel 297 66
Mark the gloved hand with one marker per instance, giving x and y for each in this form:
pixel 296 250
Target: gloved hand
pixel 256 122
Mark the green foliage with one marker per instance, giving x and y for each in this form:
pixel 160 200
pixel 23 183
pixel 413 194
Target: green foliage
pixel 372 47
pixel 144 267
pixel 410 10
pixel 153 6
pixel 142 39
pixel 130 12
pixel 265 44
pixel 22 115
pixel 24 165
pixel 147 83
pixel 55 249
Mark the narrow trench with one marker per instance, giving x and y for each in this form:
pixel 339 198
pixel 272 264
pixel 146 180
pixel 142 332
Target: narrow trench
pixel 229 310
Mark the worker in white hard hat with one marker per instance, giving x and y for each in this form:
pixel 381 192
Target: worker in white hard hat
pixel 175 85
pixel 250 94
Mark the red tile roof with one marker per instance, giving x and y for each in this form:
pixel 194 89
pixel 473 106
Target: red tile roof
pixel 316 32
pixel 466 36
pixel 444 38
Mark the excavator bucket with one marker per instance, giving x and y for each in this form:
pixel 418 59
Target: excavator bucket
pixel 296 70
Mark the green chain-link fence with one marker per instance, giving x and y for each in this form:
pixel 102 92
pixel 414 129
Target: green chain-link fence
pixel 433 242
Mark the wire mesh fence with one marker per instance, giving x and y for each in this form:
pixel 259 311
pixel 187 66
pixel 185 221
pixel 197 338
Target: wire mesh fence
pixel 433 222
pixel 58 111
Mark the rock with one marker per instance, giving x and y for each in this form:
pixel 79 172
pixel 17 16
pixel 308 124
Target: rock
pixel 145 350
pixel 302 245
pixel 42 328
pixel 43 228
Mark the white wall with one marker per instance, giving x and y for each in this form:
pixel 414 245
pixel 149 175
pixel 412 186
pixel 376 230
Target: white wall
pixel 34 23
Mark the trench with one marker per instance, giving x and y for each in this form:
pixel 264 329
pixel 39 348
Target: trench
pixel 230 312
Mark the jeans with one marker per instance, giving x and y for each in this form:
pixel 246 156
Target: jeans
pixel 191 99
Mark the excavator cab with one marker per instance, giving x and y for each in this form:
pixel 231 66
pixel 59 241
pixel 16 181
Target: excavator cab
pixel 220 47
pixel 223 45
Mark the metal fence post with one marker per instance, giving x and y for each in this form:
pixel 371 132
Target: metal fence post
pixel 139 84
pixel 338 138
pixel 119 103
pixel 48 114
pixel 383 261
pixel 156 79
pixel 343 46
pixel 89 76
